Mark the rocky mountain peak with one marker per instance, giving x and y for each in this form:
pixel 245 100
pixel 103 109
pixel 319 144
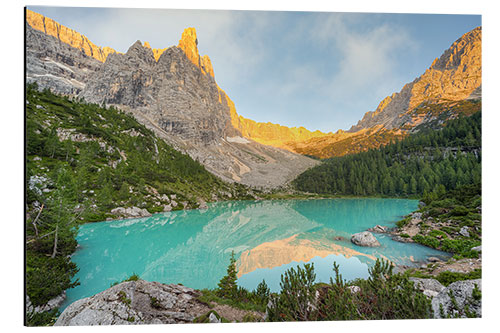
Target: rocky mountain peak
pixel 464 50
pixel 189 44
pixel 66 35
pixel 454 76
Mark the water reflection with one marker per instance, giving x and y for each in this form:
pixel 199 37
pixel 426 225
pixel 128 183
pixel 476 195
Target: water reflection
pixel 194 247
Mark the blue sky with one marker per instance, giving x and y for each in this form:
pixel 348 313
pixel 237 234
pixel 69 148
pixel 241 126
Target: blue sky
pixel 317 70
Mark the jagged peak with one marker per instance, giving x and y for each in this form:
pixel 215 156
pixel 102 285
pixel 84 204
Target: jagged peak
pixel 66 35
pixel 189 44
pixel 464 45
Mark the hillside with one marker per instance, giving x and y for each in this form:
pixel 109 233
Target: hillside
pixel 171 91
pixel 422 162
pixel 83 161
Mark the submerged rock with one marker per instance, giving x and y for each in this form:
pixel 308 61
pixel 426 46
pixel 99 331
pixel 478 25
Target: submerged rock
pixel 365 238
pixel 379 228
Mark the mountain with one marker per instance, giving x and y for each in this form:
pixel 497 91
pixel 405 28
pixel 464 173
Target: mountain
pixel 449 87
pixel 172 91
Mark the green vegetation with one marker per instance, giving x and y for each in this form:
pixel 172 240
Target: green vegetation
pixel 82 161
pixel 430 161
pixel 455 217
pixel 446 278
pixel 383 295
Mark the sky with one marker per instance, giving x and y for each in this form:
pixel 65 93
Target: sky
pixel 320 70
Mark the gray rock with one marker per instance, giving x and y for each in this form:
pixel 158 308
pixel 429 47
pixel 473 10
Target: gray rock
pixel 433 259
pixel 130 212
pixel 462 293
pixel 429 287
pixel 203 205
pixel 212 318
pixel 354 289
pixel 477 248
pixel 464 231
pixel 365 238
pixel 135 302
pixel 378 228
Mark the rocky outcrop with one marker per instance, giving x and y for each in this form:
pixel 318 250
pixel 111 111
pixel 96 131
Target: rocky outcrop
pixel 429 287
pixel 454 76
pixel 460 299
pixel 378 229
pixel 172 91
pixel 67 36
pixel 365 238
pixel 142 302
pixel 130 212
pixel 135 302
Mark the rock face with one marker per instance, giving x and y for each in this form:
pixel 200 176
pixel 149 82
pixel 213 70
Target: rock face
pixel 464 297
pixel 172 91
pixel 365 238
pixel 455 76
pixel 67 36
pixel 135 302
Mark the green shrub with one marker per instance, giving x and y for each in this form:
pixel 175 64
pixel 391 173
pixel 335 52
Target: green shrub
pixel 294 302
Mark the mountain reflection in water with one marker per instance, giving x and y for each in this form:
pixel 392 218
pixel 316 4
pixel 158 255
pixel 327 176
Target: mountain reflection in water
pixel 193 247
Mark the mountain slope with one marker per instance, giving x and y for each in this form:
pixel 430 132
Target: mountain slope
pixel 173 92
pixel 446 89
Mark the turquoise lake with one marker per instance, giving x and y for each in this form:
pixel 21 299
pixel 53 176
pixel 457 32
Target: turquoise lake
pixel 193 247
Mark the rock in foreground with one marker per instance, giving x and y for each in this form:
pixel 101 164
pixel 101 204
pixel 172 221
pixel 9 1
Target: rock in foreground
pixel 365 238
pixel 458 300
pixel 135 302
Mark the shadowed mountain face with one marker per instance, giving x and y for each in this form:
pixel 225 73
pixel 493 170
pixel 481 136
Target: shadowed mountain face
pixel 172 91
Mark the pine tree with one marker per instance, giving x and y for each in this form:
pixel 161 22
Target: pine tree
pixel 227 285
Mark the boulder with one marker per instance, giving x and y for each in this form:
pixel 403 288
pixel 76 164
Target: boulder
pixel 433 259
pixel 354 289
pixel 464 231
pixel 463 299
pixel 365 238
pixel 135 302
pixel 212 318
pixel 379 228
pixel 429 287
pixel 477 248
pixel 130 212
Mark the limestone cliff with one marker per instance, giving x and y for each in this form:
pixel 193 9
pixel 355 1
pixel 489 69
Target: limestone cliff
pixel 454 76
pixel 67 35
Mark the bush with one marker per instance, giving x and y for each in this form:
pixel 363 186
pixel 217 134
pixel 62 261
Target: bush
pixel 383 295
pixel 296 297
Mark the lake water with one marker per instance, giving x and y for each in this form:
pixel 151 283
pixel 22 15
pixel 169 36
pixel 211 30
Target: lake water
pixel 193 247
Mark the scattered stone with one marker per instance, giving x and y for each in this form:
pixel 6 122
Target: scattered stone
pixel 464 231
pixel 378 228
pixel 203 205
pixel 429 287
pixel 167 208
pixel 433 259
pixel 354 289
pixel 477 248
pixel 462 293
pixel 130 212
pixel 365 238
pixel 51 304
pixel 212 318
pixel 339 238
